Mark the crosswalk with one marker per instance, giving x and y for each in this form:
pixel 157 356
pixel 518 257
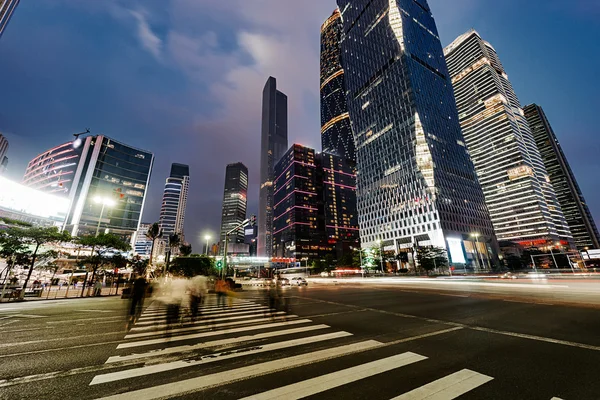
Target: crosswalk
pixel 156 363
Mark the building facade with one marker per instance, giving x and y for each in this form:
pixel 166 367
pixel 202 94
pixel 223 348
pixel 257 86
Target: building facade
pixel 109 188
pixel 336 132
pixel 416 182
pixel 54 170
pixel 7 8
pixel 274 139
pixel 235 202
pixel 569 195
pixel 520 198
pixel 143 245
pixel 3 153
pixel 174 203
pixel 250 236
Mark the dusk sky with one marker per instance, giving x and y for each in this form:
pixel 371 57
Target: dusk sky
pixel 183 79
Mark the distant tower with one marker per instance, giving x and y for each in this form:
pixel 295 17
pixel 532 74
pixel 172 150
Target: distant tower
pixel 336 132
pixel 273 145
pixel 7 7
pixel 3 151
pixel 519 195
pixel 234 202
pixel 172 212
pixel 578 215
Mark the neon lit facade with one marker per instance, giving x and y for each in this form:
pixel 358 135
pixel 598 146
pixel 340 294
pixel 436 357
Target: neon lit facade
pixel 336 132
pixel 569 195
pixel 416 181
pixel 520 198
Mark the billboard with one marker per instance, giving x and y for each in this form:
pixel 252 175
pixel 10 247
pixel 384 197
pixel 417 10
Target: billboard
pixel 25 200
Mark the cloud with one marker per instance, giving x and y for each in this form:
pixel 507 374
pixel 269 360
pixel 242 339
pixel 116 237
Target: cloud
pixel 148 39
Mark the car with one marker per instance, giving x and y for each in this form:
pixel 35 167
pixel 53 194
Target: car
pixel 298 281
pixel 508 275
pixel 324 274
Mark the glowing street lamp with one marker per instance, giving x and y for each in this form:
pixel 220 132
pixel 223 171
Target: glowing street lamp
pixel 106 202
pixel 207 238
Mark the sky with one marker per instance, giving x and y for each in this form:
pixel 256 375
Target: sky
pixel 183 79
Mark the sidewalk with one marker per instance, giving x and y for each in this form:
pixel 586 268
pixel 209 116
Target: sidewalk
pixel 54 293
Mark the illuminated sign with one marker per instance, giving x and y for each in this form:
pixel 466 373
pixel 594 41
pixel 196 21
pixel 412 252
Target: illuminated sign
pixel 457 254
pixel 519 172
pixel 23 199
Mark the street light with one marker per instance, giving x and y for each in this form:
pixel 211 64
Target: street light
pixel 207 238
pixel 105 201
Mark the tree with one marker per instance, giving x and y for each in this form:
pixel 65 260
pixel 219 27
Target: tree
pixel 174 242
pixel 358 257
pixel 139 265
pixel 14 251
pixel 101 244
pixel 37 237
pixel 154 233
pixel 185 249
pixel 347 259
pixel 195 265
pixel 431 257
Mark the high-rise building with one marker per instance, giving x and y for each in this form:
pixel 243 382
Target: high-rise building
pixel 7 7
pixel 143 245
pixel 336 132
pixel 250 236
pixel 576 211
pixel 273 146
pixel 234 203
pixel 54 170
pixel 519 196
pixel 108 189
pixel 172 211
pixel 416 181
pixel 3 151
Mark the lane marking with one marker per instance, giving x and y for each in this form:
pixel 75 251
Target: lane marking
pixel 215 343
pixel 205 326
pixel 26 353
pixel 210 333
pixel 206 309
pixel 150 320
pixel 70 321
pixel 447 388
pixel 238 374
pixel 206 321
pixel 209 358
pixel 4 345
pixel 320 384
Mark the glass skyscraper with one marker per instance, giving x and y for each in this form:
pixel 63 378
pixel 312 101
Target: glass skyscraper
pixel 416 181
pixel 274 139
pixel 7 8
pixel 520 198
pixel 576 211
pixel 54 170
pixel 336 132
pixel 172 210
pixel 235 203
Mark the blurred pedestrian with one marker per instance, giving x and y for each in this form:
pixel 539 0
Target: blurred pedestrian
pixel 174 292
pixel 138 293
pixel 98 288
pixel 198 290
pixel 221 291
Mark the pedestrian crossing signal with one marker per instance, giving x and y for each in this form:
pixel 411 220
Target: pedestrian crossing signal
pixel 219 264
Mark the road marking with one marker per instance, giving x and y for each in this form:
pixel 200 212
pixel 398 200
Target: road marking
pixel 204 308
pixel 62 339
pixel 209 358
pixel 206 321
pixel 556 398
pixel 538 338
pixel 447 388
pixel 70 321
pixel 215 343
pixel 160 315
pixel 9 322
pixel 206 326
pixel 23 316
pixel 213 314
pixel 100 311
pixel 320 384
pixel 238 374
pixel 59 349
pixel 210 333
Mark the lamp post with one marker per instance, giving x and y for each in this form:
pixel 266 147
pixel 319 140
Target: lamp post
pixel 105 201
pixel 207 238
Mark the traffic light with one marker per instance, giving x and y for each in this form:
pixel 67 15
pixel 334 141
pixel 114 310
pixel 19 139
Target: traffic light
pixel 219 264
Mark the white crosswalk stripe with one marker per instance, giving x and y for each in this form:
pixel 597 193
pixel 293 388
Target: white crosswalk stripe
pixel 244 332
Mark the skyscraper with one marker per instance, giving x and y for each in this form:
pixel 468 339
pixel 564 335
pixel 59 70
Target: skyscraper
pixel 578 215
pixel 3 151
pixel 519 196
pixel 336 132
pixel 143 245
pixel 234 202
pixel 109 187
pixel 416 182
pixel 7 7
pixel 54 170
pixel 273 146
pixel 172 211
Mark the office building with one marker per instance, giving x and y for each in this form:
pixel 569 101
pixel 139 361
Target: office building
pixel 143 245
pixel 108 189
pixel 576 211
pixel 416 182
pixel 54 170
pixel 172 210
pixel 7 8
pixel 519 196
pixel 273 145
pixel 250 236
pixel 3 152
pixel 235 200
pixel 336 132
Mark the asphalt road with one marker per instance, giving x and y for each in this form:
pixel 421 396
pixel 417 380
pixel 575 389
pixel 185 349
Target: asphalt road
pixel 337 341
